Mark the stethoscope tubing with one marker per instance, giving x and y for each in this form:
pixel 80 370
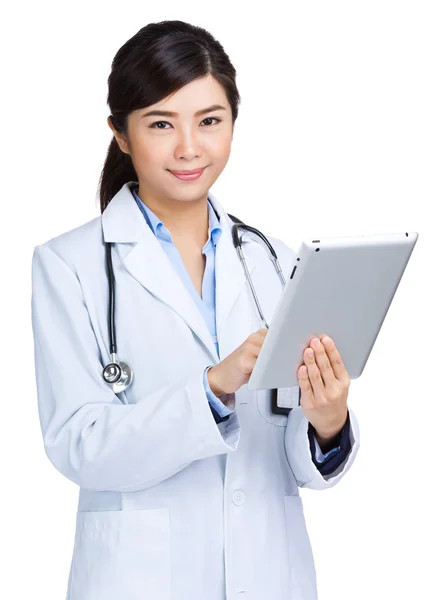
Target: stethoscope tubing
pixel 273 256
pixel 118 374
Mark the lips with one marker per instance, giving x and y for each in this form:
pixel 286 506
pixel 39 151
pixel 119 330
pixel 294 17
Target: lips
pixel 194 172
pixel 188 175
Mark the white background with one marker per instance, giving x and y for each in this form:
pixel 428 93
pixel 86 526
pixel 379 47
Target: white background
pixel 341 130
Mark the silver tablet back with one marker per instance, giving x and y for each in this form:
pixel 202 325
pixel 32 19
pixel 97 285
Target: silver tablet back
pixel 339 286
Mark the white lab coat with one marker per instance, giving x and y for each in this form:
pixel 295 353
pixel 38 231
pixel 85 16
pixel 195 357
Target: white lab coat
pixel 172 506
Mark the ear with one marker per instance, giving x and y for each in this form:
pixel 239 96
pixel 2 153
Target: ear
pixel 122 143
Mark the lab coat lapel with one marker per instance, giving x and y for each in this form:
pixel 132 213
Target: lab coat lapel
pixel 144 258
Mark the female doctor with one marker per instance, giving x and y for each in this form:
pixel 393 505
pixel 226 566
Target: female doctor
pixel 189 483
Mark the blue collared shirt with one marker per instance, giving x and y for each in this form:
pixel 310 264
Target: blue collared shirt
pixel 206 306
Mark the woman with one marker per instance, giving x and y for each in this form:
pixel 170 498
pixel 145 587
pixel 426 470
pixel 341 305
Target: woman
pixel 189 483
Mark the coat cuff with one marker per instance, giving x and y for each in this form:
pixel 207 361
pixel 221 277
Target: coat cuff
pixel 328 463
pixel 299 452
pixel 220 411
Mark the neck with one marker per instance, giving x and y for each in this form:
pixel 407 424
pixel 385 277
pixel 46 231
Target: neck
pixel 187 222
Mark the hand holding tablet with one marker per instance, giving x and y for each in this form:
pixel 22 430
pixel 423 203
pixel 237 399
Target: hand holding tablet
pixel 324 383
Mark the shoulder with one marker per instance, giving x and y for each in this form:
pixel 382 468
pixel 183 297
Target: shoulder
pixel 77 245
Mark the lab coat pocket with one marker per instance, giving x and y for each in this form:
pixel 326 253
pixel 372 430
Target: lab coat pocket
pixel 121 554
pixel 301 560
pixel 264 406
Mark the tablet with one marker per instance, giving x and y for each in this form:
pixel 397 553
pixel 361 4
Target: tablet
pixel 338 286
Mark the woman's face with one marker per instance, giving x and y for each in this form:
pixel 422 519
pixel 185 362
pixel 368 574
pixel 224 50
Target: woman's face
pixel 186 141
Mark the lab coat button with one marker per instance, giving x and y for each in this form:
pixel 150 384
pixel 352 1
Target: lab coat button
pixel 238 498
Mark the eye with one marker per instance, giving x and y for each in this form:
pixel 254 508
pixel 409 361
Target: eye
pixel 154 125
pixel 210 119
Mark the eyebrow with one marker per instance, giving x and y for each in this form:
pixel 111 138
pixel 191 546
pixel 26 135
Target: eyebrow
pixel 167 113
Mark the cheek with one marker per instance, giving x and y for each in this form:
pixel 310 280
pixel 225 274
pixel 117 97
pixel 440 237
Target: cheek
pixel 149 155
pixel 220 149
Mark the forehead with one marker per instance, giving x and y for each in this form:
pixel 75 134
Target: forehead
pixel 192 99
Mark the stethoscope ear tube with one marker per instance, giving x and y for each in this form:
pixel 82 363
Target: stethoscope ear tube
pixel 273 256
pixel 236 238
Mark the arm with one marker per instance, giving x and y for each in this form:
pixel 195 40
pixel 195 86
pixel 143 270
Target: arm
pixel 89 435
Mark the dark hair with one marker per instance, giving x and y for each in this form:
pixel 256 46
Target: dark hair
pixel 156 62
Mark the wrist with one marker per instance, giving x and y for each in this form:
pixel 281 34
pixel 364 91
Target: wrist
pixel 213 383
pixel 329 439
pixel 327 443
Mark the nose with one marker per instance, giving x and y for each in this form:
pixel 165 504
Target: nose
pixel 188 145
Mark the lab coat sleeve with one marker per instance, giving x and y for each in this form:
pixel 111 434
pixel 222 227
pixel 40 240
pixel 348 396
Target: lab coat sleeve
pixel 221 411
pixel 298 451
pixel 89 435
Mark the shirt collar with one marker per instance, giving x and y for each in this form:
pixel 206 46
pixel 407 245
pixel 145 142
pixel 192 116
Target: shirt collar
pixel 161 232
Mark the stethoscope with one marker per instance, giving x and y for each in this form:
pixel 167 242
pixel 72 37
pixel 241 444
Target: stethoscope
pixel 118 374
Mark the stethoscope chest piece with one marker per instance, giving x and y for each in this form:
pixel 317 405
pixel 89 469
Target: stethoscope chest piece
pixel 118 375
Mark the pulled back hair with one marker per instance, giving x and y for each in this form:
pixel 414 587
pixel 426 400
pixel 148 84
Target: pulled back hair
pixel 156 62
